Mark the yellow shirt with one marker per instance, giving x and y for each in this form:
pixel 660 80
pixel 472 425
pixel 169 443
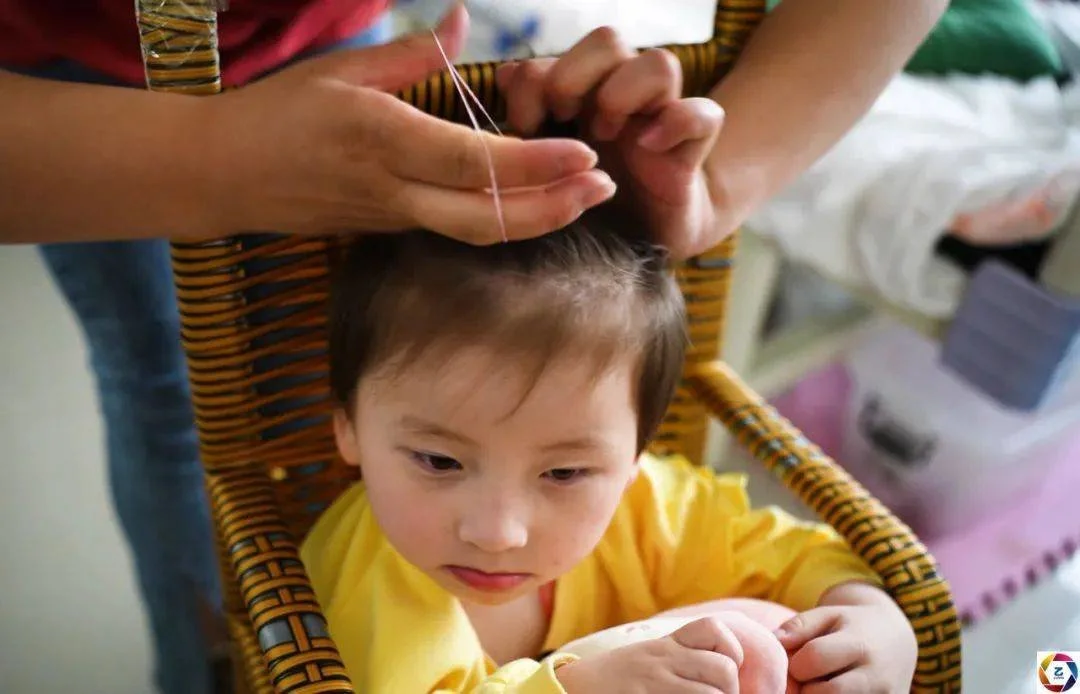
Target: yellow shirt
pixel 681 535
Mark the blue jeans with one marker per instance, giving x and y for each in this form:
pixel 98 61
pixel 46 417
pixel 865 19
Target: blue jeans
pixel 123 298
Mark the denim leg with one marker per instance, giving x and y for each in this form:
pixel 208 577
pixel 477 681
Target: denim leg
pixel 122 294
pixel 379 33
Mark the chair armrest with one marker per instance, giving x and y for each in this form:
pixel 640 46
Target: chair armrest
pixel 288 626
pixel 909 572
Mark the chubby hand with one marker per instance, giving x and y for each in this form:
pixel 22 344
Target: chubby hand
pixel 857 641
pixel 703 656
pixel 653 142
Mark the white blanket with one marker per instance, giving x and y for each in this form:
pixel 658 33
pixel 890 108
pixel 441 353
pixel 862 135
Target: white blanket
pixel 871 210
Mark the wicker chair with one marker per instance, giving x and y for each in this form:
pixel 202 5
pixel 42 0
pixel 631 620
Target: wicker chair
pixel 253 311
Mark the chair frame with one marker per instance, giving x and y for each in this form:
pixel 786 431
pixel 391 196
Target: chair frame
pixel 260 485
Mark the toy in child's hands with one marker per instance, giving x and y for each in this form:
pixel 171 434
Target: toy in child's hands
pixel 726 644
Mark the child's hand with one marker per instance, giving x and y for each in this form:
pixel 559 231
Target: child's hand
pixel 653 142
pixel 701 655
pixel 858 643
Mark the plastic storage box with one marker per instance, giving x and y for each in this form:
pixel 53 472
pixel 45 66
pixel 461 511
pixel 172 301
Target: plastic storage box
pixel 937 450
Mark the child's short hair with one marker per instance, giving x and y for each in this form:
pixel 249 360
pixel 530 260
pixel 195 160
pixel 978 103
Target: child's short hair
pixel 585 291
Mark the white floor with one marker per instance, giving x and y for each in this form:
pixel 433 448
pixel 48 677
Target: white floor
pixel 70 620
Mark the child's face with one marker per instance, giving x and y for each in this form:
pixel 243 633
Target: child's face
pixel 488 493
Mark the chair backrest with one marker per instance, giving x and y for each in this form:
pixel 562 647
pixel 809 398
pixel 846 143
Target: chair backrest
pixel 254 329
pixel 253 308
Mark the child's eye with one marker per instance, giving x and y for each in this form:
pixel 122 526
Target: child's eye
pixel 436 463
pixel 565 474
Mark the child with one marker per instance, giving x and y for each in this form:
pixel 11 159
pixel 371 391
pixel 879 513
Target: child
pixel 498 401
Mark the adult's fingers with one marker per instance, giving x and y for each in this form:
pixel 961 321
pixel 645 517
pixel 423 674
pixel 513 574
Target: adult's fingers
pixel 470 216
pixel 639 85
pixel 425 149
pixel 582 69
pixel 687 128
pixel 522 85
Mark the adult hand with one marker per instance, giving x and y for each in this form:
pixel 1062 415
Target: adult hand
pixel 652 141
pixel 325 146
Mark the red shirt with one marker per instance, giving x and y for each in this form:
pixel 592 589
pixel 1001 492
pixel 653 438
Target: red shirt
pixel 253 35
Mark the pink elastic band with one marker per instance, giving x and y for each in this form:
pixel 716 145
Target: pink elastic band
pixel 463 89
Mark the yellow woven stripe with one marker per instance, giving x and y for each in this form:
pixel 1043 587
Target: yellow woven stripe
pixel 171 59
pixel 157 42
pixel 179 45
pixel 156 21
pixel 276 590
pixel 166 73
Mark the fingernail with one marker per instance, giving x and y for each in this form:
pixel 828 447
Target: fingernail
pixel 579 160
pixel 599 193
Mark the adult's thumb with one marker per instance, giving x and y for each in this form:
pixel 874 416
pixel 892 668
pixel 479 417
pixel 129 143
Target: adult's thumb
pixel 407 60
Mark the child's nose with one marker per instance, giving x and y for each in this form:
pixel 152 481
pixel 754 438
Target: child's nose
pixel 493 528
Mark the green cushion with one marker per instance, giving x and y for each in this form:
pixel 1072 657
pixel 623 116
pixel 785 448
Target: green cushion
pixel 996 36
pixel 985 36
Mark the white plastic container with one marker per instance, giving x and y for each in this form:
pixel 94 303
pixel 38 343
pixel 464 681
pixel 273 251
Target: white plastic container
pixel 934 449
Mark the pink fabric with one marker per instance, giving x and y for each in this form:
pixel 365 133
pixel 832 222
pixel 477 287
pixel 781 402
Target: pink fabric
pixel 254 36
pixel 993 560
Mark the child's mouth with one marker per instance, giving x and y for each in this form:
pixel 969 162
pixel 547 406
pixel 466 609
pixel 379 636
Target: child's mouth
pixel 489 582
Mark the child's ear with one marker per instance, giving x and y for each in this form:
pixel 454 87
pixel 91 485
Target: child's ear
pixel 345 436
